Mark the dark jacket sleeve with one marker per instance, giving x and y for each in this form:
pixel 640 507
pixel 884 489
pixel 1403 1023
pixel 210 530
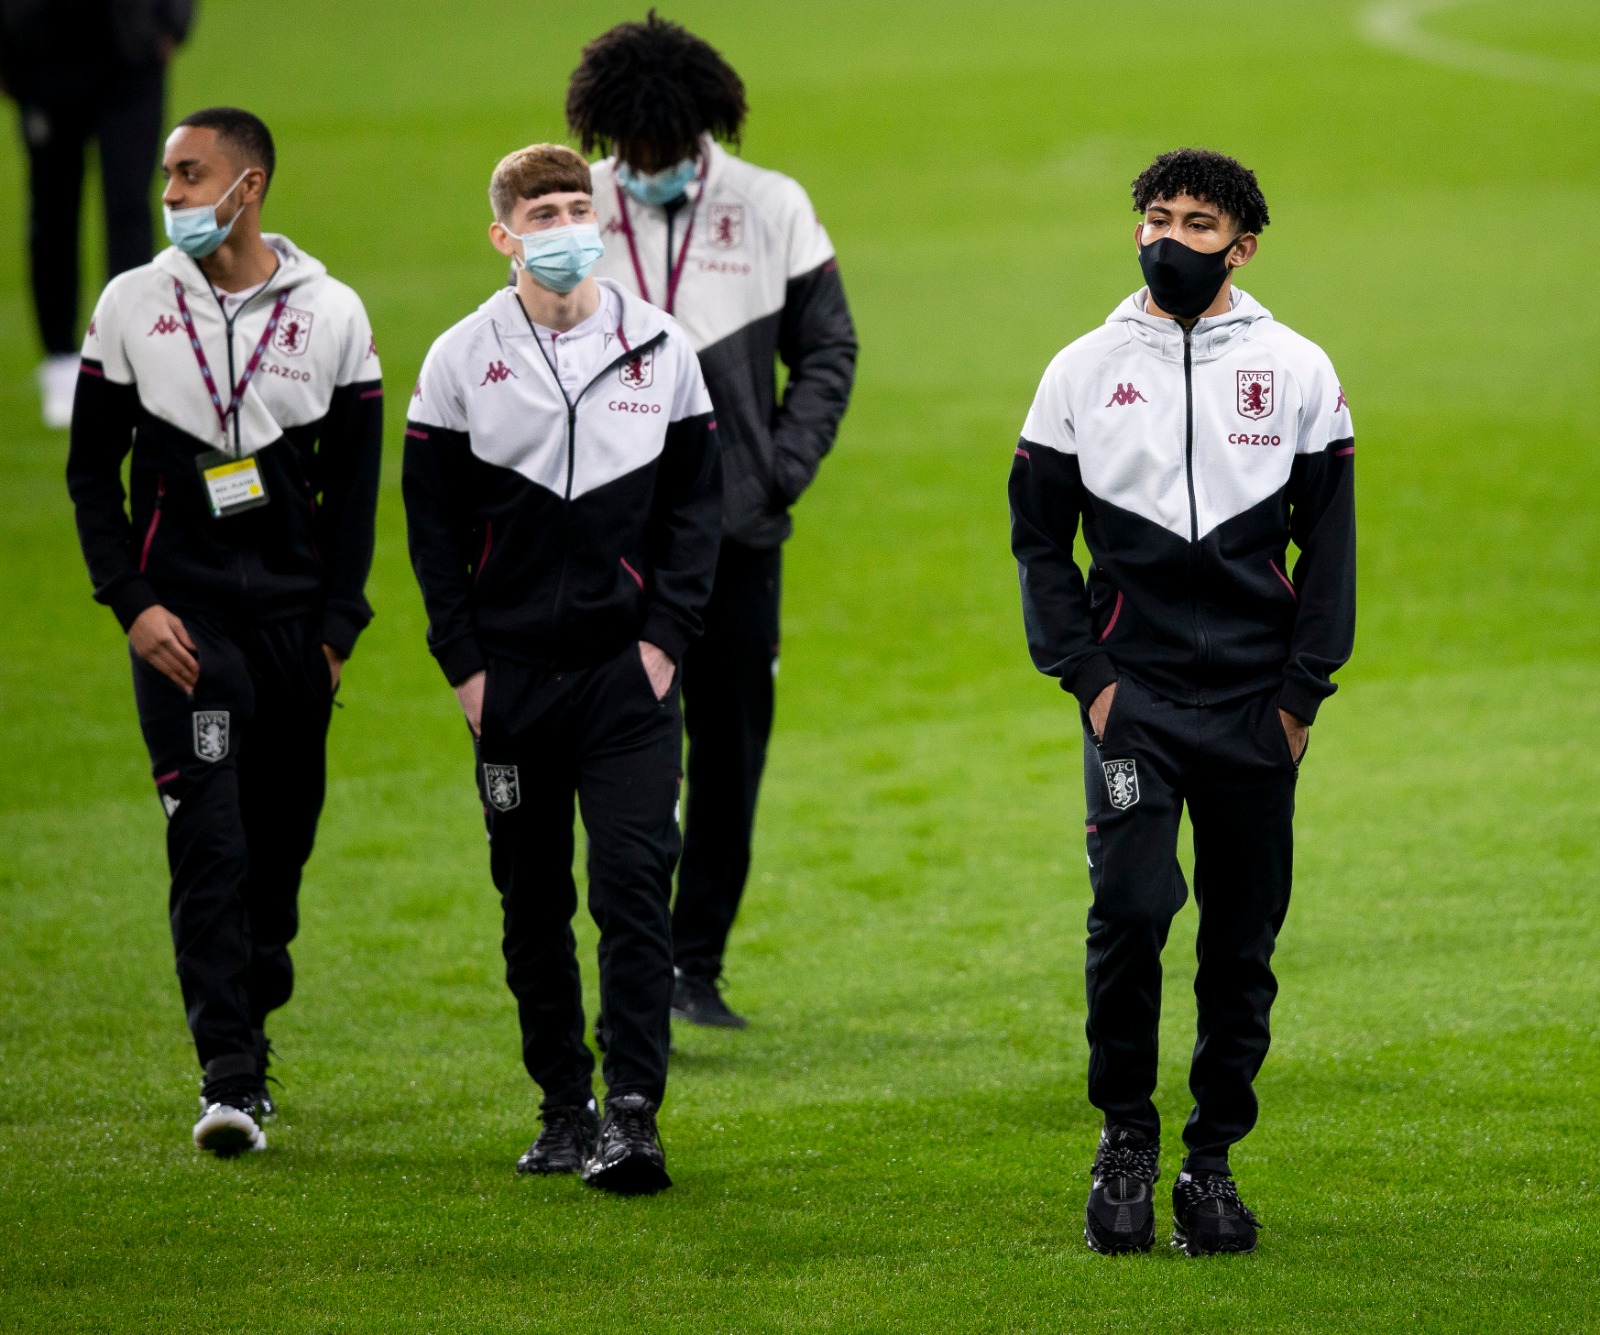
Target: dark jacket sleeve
pixel 817 342
pixel 103 418
pixel 684 533
pixel 435 481
pixel 349 458
pixel 1322 522
pixel 1046 501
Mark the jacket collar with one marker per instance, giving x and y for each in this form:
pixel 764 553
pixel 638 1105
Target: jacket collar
pixel 1208 340
pixel 294 266
pixel 640 322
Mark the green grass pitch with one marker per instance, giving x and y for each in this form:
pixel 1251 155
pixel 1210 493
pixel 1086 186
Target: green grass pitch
pixel 900 1141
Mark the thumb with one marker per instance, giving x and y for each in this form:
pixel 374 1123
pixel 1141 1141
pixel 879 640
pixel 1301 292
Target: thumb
pixel 182 634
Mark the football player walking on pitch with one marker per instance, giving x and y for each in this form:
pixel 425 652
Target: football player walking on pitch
pixel 245 381
pixel 1195 438
pixel 563 491
pixel 737 255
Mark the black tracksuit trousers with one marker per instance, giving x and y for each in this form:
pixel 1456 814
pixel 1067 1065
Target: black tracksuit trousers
pixel 240 770
pixel 728 681
pixel 1231 764
pixel 122 108
pixel 598 733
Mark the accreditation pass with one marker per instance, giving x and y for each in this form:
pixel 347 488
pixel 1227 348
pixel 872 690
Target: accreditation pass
pixel 232 484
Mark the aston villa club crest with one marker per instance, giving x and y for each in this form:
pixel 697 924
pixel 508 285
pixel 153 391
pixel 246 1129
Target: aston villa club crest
pixel 1255 394
pixel 211 734
pixel 727 226
pixel 294 332
pixel 1122 782
pixel 638 372
pixel 504 790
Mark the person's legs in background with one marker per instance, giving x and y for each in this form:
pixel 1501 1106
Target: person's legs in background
pixel 128 126
pixel 54 136
pixel 728 695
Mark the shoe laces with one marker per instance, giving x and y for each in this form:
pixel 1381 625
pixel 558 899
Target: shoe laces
pixel 632 1123
pixel 1215 1187
pixel 557 1120
pixel 1141 1162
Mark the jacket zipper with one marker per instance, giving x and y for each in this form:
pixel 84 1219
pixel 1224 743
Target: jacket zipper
pixel 1202 641
pixel 155 522
pixel 238 439
pixel 627 354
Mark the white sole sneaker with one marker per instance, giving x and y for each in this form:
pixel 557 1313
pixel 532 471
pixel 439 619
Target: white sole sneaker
pixel 226 1131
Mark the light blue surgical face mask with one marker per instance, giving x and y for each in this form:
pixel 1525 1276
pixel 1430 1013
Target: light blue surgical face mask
pixel 657 187
pixel 196 231
pixel 560 258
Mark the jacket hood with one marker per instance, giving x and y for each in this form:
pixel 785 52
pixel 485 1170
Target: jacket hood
pixel 295 267
pixel 1209 339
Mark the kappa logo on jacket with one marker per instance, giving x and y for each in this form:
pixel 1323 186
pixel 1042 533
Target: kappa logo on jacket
pixel 211 734
pixel 1255 394
pixel 727 225
pixel 294 332
pixel 1125 394
pixel 639 372
pixel 497 372
pixel 165 324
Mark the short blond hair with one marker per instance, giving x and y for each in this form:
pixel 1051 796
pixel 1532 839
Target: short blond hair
pixel 539 169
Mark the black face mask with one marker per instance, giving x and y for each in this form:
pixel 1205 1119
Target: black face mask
pixel 1183 281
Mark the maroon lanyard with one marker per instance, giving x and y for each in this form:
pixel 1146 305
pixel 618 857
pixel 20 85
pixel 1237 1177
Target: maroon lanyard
pixel 676 271
pixel 249 367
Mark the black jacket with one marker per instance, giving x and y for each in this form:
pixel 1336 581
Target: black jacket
pixel 552 525
pixel 44 43
pixel 756 283
pixel 312 421
pixel 1193 461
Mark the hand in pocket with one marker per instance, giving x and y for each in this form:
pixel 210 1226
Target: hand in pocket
pixel 658 667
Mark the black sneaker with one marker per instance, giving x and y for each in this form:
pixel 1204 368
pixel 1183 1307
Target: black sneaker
pixel 1208 1217
pixel 228 1124
pixel 1121 1213
pixel 699 1001
pixel 566 1142
pixel 628 1159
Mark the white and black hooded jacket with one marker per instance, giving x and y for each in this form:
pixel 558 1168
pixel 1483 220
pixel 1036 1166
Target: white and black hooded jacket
pixel 756 281
pixel 311 416
pixel 1192 459
pixel 550 523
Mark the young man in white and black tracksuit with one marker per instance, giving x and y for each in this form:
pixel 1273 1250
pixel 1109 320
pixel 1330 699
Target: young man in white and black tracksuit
pixel 563 490
pixel 1195 438
pixel 736 253
pixel 245 382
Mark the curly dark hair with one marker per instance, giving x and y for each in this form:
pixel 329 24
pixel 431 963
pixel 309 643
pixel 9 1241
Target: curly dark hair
pixel 649 91
pixel 1213 177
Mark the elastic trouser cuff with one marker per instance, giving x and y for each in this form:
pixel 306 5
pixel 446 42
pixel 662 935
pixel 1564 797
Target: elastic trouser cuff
pixel 1207 1163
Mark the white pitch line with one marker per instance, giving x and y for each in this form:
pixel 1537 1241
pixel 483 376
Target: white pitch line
pixel 1395 25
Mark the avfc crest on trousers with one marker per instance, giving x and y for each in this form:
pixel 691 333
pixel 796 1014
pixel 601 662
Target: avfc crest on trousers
pixel 211 734
pixel 500 782
pixel 1122 782
pixel 1255 394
